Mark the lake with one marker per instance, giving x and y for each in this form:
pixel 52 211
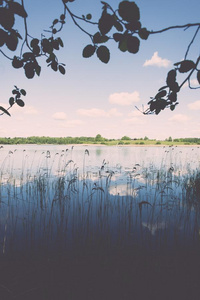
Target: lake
pixel 99 202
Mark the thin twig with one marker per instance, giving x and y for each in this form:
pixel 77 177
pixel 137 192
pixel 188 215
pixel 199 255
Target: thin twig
pixel 191 42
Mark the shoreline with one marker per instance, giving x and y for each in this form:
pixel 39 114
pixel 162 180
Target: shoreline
pixel 104 145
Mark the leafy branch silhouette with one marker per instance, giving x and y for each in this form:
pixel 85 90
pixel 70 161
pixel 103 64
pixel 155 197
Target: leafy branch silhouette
pixel 121 25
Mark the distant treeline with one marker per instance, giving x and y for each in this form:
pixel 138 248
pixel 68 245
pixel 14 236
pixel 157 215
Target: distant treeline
pixel 92 140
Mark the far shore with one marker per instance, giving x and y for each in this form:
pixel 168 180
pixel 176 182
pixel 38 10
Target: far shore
pixel 107 145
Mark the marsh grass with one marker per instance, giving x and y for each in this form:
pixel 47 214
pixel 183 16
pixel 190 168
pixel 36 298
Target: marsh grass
pixel 127 223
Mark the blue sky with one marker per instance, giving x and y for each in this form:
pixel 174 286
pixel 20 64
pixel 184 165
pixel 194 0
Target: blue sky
pixel 93 97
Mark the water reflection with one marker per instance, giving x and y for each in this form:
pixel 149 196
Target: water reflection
pixel 55 198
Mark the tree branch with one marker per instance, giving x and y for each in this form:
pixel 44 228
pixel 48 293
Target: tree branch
pixel 175 27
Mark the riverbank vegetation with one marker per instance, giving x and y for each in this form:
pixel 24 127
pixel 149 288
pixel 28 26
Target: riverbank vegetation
pixel 125 140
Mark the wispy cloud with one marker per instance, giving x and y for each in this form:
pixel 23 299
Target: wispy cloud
pixel 157 61
pixel 179 118
pixel 124 99
pixel 194 105
pixel 59 116
pixel 96 112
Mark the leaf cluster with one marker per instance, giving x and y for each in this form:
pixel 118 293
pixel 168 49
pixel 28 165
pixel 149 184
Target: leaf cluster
pixel 167 95
pixel 17 94
pixel 126 21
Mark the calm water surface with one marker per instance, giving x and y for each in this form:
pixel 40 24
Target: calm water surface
pixel 64 197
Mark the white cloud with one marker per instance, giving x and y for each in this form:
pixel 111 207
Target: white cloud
pixel 157 61
pixel 124 99
pixel 179 118
pixel 59 116
pixel 195 105
pixel 96 112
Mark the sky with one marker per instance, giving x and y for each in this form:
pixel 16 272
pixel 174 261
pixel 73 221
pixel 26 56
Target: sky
pixel 96 98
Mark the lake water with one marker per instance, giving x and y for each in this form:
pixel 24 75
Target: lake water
pixel 58 198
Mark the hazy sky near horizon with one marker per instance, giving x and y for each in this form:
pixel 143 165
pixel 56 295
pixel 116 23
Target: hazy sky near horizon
pixel 93 97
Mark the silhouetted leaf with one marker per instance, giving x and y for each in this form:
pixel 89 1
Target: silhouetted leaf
pixel 23 92
pixel 123 45
pixel 133 26
pixel 171 78
pixel 34 42
pixel 7 18
pixel 173 97
pixel 118 37
pixel 144 33
pixel 161 103
pixel 11 101
pixel 105 23
pixel 88 16
pixel 36 50
pixel 163 87
pixel 16 92
pixel 20 102
pixel 54 66
pixel 198 76
pixel 103 54
pixel 129 11
pixel 28 56
pixel 118 25
pixel 55 21
pixel 172 107
pixel 18 9
pixel 62 17
pixel 88 51
pixel 161 94
pixel 98 38
pixel 17 62
pixel 46 46
pixel 61 69
pixel 37 69
pixel 175 87
pixel 11 42
pixel 3 35
pixel 133 44
pixel 4 110
pixel 29 70
pixel 55 44
pixel 60 42
pixel 186 65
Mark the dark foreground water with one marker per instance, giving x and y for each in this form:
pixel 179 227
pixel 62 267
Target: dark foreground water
pixel 99 222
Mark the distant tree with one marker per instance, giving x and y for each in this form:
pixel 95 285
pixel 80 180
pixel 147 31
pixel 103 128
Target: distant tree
pixel 99 138
pixel 121 25
pixel 170 139
pixel 146 138
pixel 125 138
